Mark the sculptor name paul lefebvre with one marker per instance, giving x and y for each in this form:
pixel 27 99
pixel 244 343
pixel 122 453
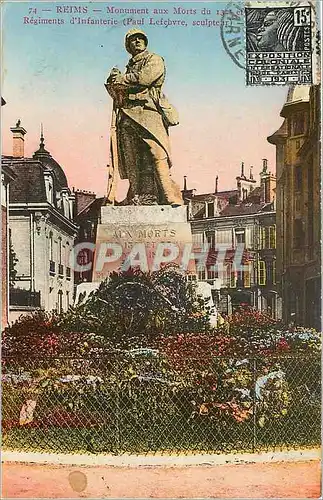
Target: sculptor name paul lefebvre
pixel 187 16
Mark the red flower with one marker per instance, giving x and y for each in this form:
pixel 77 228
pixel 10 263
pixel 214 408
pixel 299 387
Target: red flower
pixel 283 345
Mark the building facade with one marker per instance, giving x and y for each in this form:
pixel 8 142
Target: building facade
pixel 7 176
pixel 243 218
pixel 41 213
pixel 87 217
pixel 297 144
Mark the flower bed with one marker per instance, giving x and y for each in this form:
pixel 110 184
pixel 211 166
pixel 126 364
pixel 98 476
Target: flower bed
pixel 175 384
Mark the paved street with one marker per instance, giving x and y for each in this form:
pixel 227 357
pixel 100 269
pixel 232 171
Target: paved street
pixel 261 480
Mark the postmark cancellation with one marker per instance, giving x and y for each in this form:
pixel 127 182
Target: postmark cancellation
pixel 279 44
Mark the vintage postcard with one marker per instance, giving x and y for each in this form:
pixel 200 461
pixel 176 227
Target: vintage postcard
pixel 161 249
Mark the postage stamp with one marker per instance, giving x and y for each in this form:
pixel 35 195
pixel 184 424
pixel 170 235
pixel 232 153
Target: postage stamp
pixel 279 48
pixel 160 248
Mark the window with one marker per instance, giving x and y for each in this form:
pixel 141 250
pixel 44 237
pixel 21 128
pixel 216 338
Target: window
pixel 67 260
pixel 272 236
pixel 4 191
pixel 298 178
pixel 268 237
pixel 261 272
pixel 310 208
pixel 240 281
pixel 210 209
pixel 210 238
pixel 233 279
pixel 197 239
pixel 224 236
pixel 49 189
pixel 50 244
pixel 297 203
pixel 83 257
pixel 228 269
pixel 59 250
pixel 240 235
pixel 201 274
pixel 52 268
pixel 247 276
pixel 274 272
pixel 231 276
pixel 298 123
pixel 211 273
pixel 298 233
pixel 269 272
pixel 51 194
pixel 262 237
pixel 60 302
pixel 67 253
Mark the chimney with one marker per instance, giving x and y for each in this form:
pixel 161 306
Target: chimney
pixel 216 183
pixel 269 188
pixel 267 183
pixel 251 174
pixel 242 169
pixel 18 140
pixel 187 194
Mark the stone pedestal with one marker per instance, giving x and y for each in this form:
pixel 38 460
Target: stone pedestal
pixel 147 237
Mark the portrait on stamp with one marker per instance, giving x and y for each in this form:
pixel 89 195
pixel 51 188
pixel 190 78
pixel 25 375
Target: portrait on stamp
pixel 279 46
pixel 275 30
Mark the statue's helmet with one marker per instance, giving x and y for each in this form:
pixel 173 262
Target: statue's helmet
pixel 132 32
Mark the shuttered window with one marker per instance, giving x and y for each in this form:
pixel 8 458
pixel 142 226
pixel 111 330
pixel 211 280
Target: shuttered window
pixel 247 276
pixel 274 272
pixel 261 272
pixel 272 237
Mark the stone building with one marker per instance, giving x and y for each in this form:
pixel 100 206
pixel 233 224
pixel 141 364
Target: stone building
pixel 297 144
pixel 41 212
pixel 7 176
pixel 245 216
pixel 87 217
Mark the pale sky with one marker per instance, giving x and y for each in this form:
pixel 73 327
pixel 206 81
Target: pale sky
pixel 55 74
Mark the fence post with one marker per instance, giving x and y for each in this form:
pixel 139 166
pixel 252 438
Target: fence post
pixel 118 418
pixel 254 416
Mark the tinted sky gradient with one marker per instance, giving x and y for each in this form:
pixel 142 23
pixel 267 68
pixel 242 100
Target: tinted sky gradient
pixel 55 75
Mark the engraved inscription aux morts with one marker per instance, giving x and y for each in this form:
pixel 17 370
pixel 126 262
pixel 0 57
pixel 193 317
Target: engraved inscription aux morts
pixel 148 246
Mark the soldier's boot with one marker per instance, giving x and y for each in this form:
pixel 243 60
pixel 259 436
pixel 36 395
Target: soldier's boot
pixel 170 190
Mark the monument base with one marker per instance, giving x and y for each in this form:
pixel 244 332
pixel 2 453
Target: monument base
pixel 145 237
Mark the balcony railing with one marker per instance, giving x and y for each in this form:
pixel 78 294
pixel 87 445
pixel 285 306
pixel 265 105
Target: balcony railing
pixel 60 270
pixel 20 297
pixel 52 267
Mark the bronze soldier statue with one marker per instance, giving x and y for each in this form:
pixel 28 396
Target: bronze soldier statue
pixel 140 148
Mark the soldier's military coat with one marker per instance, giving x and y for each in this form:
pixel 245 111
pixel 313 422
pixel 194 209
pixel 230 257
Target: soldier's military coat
pixel 143 149
pixel 137 99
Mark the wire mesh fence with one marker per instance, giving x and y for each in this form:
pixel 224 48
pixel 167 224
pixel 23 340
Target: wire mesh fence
pixel 135 402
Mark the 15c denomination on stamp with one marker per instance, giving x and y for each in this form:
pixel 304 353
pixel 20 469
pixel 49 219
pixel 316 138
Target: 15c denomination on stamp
pixel 279 45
